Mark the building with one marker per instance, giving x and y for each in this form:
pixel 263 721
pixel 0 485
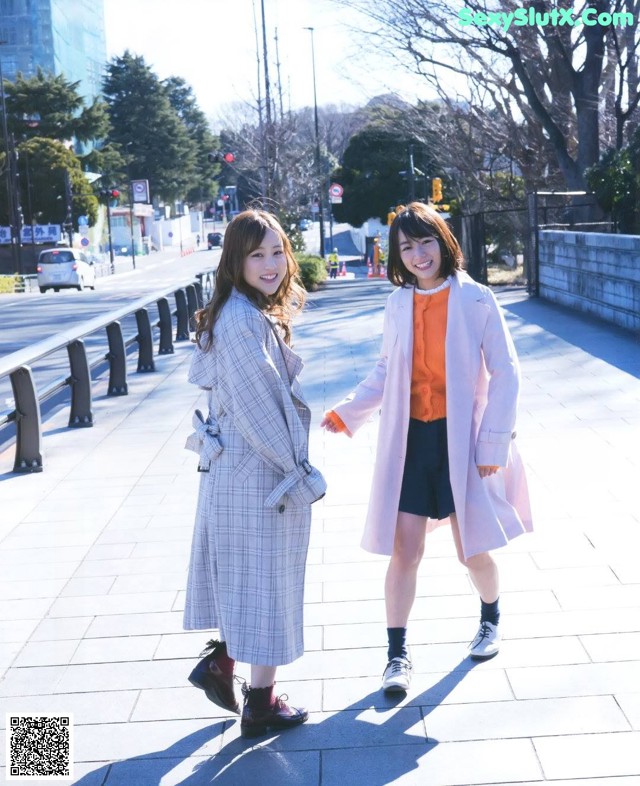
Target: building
pixel 60 36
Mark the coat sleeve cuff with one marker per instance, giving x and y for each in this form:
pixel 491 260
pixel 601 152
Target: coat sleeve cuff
pixel 305 484
pixel 492 448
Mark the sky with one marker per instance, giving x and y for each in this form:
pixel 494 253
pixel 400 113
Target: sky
pixel 212 45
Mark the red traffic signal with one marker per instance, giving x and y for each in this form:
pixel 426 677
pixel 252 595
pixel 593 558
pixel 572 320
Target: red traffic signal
pixel 114 193
pixel 217 158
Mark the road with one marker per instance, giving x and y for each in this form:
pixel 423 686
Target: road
pixel 28 318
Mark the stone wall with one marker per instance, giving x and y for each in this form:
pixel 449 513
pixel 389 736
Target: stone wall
pixel 591 272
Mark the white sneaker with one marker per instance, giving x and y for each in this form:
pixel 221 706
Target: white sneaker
pixel 486 643
pixel 397 675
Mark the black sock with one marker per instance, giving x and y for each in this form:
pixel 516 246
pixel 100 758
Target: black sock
pixel 397 644
pixel 489 612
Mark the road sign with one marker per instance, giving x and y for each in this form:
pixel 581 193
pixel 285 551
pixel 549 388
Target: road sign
pixel 336 200
pixel 84 241
pixel 336 190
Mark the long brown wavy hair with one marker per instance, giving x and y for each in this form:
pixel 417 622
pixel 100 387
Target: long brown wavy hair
pixel 417 220
pixel 244 234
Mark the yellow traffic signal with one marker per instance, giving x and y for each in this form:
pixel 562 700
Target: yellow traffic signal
pixel 436 189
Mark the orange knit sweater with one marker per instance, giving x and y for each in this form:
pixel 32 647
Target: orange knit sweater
pixel 428 384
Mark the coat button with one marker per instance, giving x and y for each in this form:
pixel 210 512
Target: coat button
pixel 281 509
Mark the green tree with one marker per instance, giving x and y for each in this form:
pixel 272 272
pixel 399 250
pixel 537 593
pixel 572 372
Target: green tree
pixel 616 183
pixel 186 106
pixel 148 129
pixel 43 167
pixel 371 174
pixel 46 105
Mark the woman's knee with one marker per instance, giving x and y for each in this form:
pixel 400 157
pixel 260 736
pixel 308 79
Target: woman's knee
pixel 478 562
pixel 407 554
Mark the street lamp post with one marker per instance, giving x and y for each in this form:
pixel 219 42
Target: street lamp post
pixel 133 243
pixel 318 164
pixel 10 167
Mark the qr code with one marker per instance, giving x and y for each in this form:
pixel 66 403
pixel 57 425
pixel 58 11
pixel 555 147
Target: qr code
pixel 39 746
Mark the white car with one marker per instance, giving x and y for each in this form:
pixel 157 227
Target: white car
pixel 65 268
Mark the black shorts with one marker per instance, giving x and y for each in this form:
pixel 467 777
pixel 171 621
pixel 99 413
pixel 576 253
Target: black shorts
pixel 426 489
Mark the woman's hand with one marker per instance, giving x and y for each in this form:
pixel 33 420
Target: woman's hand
pixel 329 425
pixel 484 471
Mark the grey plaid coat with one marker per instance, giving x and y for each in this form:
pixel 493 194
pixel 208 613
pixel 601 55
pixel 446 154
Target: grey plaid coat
pixel 246 573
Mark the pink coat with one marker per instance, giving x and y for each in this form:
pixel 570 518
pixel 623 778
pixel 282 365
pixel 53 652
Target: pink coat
pixel 482 376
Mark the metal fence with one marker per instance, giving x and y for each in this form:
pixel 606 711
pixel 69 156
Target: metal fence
pixel 26 412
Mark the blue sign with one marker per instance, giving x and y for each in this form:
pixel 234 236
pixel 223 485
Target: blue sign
pixel 84 241
pixel 83 221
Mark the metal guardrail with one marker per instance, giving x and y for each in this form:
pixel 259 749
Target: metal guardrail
pixel 17 365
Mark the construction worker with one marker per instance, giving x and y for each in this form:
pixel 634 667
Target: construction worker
pixel 334 264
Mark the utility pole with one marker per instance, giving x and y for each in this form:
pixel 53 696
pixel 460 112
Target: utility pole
pixel 318 161
pixel 412 176
pixel 267 101
pixel 263 155
pixel 11 173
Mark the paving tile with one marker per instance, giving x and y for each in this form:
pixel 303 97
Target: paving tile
pixel 630 705
pixel 533 718
pixel 137 624
pixel 113 741
pixel 85 707
pixel 600 598
pixel 59 629
pixel 24 609
pixel 112 604
pixel 612 647
pixel 241 766
pixel 46 653
pixel 16 630
pixel 127 675
pixel 31 681
pixel 589 755
pixel 427 690
pixel 581 679
pixel 113 650
pixel 444 764
pixel 125 567
pixel 145 582
pixel 79 587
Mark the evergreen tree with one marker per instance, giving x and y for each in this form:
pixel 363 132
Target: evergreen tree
pixel 185 104
pixel 148 129
pixel 50 106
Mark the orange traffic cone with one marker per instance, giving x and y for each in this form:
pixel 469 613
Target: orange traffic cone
pixel 343 269
pixel 369 270
pixel 383 272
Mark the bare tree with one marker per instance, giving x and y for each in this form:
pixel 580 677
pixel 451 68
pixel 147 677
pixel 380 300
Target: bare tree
pixel 557 81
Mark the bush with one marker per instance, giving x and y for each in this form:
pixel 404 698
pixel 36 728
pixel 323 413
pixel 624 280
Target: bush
pixel 312 271
pixel 7 284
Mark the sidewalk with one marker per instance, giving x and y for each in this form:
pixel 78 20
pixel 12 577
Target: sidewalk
pixel 94 551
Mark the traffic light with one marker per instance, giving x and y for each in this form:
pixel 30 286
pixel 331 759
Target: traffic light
pixel 110 195
pixel 390 216
pixel 436 190
pixel 219 158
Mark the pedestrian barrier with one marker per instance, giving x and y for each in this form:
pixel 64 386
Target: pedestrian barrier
pixel 27 399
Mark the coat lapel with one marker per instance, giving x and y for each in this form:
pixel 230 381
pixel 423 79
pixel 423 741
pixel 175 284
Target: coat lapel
pixel 404 324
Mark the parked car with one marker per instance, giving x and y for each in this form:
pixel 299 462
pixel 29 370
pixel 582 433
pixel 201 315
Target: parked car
pixel 304 224
pixel 65 268
pixel 214 239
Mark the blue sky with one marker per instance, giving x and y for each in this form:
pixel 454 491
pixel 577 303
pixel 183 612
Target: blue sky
pixel 211 44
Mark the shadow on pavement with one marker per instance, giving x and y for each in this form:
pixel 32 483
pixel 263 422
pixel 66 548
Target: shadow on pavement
pixel 292 759
pixel 601 339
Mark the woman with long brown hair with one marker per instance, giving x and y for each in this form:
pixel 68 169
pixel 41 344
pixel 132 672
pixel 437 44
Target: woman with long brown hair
pixel 246 574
